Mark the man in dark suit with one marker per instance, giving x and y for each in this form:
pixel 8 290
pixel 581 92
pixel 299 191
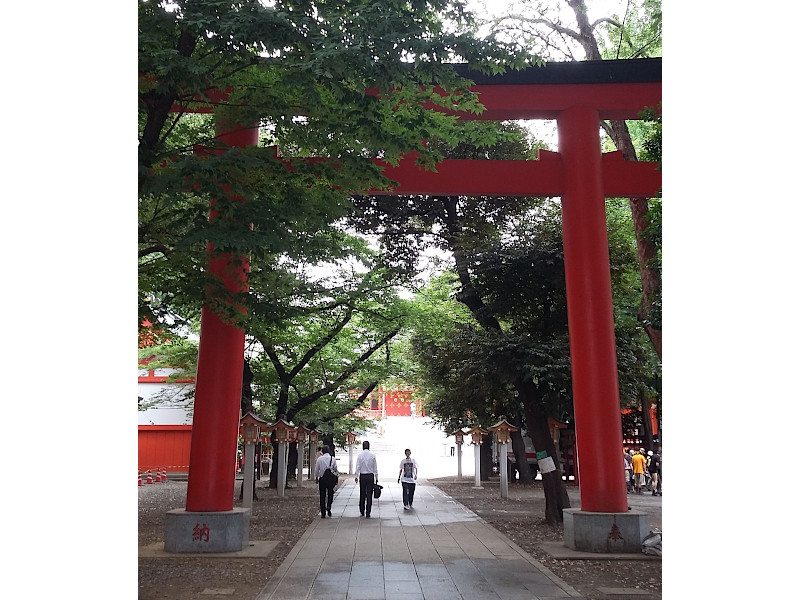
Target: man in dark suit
pixel 367 471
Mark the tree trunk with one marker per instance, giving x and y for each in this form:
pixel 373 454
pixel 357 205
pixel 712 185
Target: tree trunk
pixel 327 440
pixel 486 459
pixel 646 251
pixel 259 459
pixel 291 461
pixel 556 498
pixel 522 467
pixel 273 472
pixel 646 423
pixel 555 491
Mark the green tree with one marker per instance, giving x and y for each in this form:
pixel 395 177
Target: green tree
pixel 564 30
pixel 514 357
pixel 333 335
pixel 472 229
pixel 345 80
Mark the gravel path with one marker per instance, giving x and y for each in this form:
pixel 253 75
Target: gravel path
pixel 186 577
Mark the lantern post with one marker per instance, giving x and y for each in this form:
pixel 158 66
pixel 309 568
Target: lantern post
pixel 477 439
pixel 502 430
pixel 313 438
pixel 250 427
pixel 459 435
pixel 351 439
pixel 281 429
pixel 302 436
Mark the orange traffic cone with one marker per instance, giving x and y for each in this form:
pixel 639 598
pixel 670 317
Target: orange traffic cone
pixel 164 474
pixel 158 476
pixel 140 478
pixel 149 476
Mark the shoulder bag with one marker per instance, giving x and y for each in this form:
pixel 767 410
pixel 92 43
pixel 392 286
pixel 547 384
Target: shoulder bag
pixel 328 477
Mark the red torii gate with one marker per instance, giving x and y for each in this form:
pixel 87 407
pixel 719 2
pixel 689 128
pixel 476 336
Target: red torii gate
pixel 577 95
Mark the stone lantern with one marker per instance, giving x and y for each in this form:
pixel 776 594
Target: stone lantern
pixel 313 438
pixel 281 428
pixel 302 436
pixel 477 439
pixel 503 430
pixel 459 435
pixel 251 427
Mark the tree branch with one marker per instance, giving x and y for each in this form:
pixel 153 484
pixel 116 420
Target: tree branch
pixel 321 344
pixel 344 375
pixel 158 247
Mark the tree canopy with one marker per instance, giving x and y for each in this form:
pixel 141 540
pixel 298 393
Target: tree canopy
pixel 344 80
pixel 347 81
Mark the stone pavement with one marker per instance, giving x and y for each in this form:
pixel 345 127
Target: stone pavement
pixel 439 550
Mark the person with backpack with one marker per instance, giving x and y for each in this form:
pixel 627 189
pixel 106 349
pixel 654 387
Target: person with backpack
pixel 326 475
pixel 654 468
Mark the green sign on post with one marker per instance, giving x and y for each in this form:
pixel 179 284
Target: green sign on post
pixel 541 454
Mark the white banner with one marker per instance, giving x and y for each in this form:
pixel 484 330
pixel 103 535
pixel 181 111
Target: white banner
pixel 546 464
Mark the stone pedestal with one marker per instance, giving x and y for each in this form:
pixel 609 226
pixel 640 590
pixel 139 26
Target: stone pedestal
pixel 605 532
pixel 198 532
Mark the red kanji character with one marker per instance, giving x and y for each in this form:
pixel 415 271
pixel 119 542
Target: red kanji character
pixel 615 534
pixel 198 533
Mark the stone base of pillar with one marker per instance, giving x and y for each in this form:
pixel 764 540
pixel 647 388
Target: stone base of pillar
pixel 605 532
pixel 198 532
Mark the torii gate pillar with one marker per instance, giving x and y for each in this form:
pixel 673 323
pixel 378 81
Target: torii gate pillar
pixel 603 524
pixel 210 523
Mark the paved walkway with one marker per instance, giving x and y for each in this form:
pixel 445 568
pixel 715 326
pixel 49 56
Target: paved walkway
pixel 439 550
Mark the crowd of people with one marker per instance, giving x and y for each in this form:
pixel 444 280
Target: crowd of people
pixel 642 470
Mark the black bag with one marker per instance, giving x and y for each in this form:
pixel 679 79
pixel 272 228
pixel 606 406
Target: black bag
pixel 328 477
pixel 376 490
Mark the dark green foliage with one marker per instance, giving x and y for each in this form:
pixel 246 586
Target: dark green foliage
pixel 521 282
pixel 301 70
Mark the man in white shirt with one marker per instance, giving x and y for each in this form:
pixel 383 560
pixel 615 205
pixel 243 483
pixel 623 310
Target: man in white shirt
pixel 326 461
pixel 367 470
pixel 408 475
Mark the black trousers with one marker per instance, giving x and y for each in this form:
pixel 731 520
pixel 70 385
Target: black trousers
pixel 325 497
pixel 408 493
pixel 365 482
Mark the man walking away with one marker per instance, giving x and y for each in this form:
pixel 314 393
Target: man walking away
pixel 324 462
pixel 408 475
pixel 367 470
